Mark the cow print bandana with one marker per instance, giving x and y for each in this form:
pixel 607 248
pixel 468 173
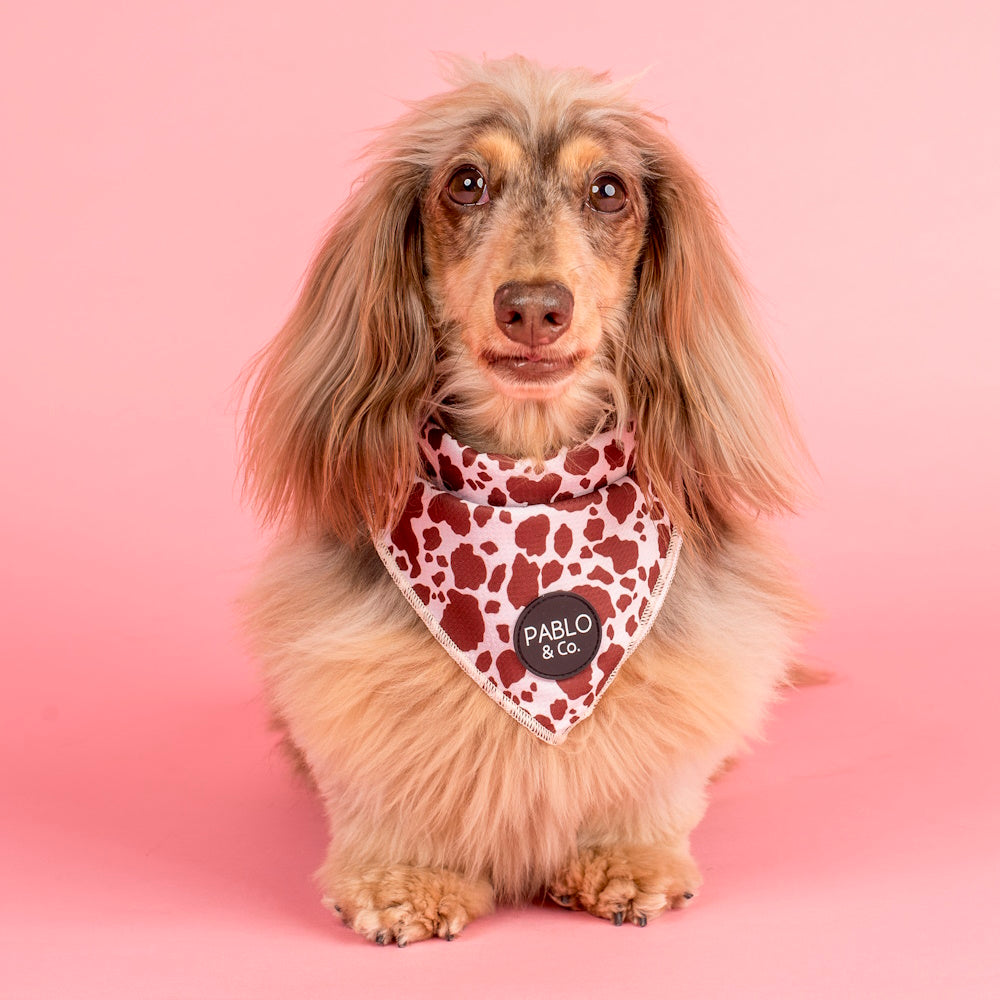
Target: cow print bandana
pixel 539 581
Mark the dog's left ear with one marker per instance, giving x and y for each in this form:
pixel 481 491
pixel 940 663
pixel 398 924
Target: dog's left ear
pixel 338 396
pixel 715 439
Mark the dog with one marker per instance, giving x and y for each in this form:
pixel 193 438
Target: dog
pixel 528 266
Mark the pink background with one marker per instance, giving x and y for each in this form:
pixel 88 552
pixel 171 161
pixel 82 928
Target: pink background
pixel 167 171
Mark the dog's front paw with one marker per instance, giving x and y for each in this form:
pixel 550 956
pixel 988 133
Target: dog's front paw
pixel 402 904
pixel 622 884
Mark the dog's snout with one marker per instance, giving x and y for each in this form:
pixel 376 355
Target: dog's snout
pixel 533 313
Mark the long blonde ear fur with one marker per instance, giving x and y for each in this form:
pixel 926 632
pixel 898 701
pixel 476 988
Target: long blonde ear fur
pixel 715 439
pixel 329 436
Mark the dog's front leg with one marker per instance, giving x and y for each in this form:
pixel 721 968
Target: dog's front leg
pixel 628 883
pixel 402 903
pixel 634 863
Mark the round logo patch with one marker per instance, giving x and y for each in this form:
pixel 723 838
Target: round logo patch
pixel 557 635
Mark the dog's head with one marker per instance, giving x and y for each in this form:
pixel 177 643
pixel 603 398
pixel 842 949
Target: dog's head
pixel 530 259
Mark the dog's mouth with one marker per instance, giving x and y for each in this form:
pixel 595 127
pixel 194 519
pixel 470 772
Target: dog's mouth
pixel 523 371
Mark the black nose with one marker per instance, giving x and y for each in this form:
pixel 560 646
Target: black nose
pixel 533 314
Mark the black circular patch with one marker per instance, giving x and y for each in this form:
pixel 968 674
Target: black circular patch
pixel 557 635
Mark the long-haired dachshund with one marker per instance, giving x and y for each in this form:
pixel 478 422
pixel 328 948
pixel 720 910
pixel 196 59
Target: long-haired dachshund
pixel 518 432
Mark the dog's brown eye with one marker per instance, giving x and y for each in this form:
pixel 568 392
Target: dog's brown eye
pixel 607 193
pixel 468 187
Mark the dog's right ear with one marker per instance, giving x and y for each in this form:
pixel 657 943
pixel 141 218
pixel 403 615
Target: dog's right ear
pixel 716 439
pixel 329 437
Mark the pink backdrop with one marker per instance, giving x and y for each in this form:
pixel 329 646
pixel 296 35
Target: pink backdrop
pixel 167 170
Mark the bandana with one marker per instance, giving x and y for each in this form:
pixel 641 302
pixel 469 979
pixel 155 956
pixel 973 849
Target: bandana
pixel 539 581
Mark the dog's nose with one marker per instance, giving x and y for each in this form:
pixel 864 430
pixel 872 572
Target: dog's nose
pixel 533 314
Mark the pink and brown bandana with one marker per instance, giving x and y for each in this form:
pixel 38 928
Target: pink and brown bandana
pixel 539 581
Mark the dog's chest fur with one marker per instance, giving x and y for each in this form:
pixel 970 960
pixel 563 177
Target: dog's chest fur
pixel 384 717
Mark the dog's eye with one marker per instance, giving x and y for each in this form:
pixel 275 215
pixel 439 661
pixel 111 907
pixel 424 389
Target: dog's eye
pixel 607 193
pixel 468 187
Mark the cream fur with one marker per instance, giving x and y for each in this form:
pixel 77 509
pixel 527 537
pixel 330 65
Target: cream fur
pixel 417 769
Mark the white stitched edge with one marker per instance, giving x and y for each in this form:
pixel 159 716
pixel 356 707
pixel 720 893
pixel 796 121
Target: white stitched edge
pixel 456 654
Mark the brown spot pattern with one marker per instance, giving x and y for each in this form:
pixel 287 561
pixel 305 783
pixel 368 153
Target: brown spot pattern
pixel 581 460
pixel 510 667
pixel 469 569
pixel 597 596
pixel 523 586
pixel 403 536
pixel 524 490
pixel 621 499
pixel 562 541
pixel 623 553
pixel 463 620
pixel 578 685
pixel 531 534
pixel 450 510
pixel 551 572
pixel 451 474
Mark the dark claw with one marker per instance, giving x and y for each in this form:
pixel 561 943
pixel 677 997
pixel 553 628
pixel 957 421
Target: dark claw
pixel 689 895
pixel 619 918
pixel 565 900
pixel 642 920
pixel 380 937
pixel 400 943
pixel 449 936
pixel 337 908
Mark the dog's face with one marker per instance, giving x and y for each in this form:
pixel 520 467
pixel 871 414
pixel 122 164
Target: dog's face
pixel 529 259
pixel 532 235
